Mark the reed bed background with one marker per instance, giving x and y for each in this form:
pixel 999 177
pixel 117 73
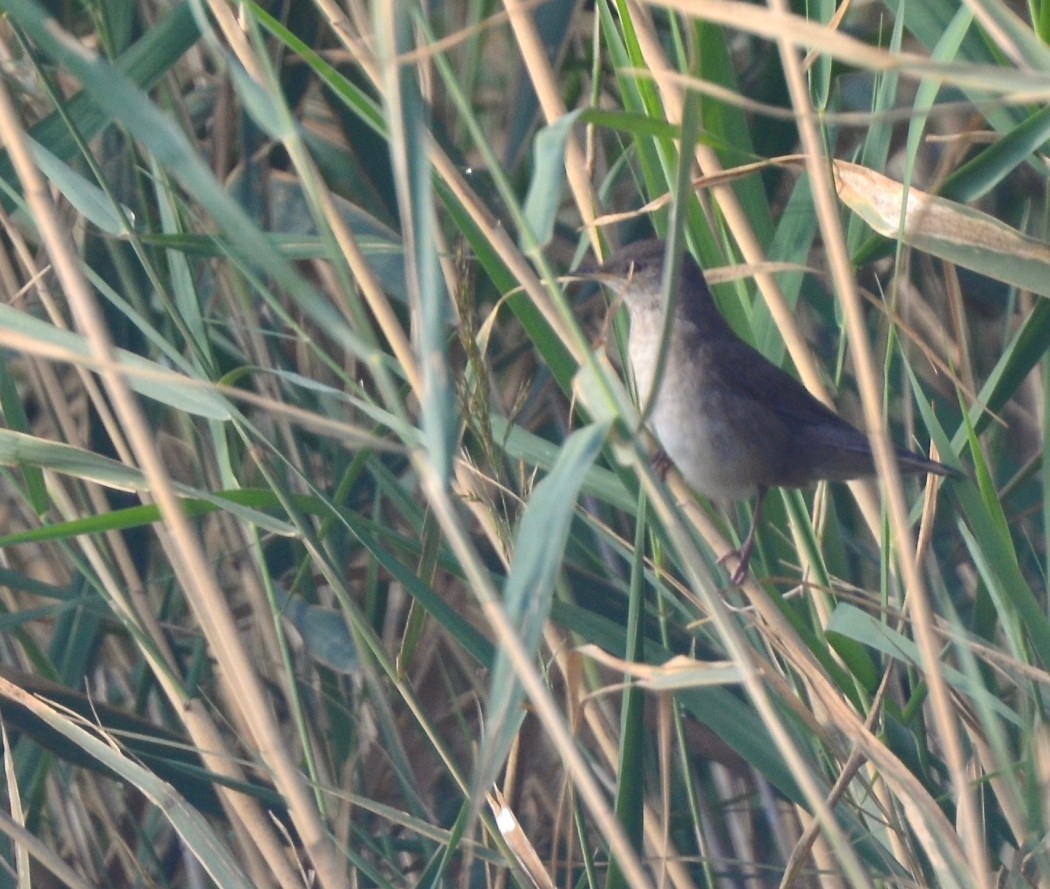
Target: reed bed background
pixel 331 551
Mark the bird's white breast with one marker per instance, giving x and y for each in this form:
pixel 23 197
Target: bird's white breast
pixel 688 419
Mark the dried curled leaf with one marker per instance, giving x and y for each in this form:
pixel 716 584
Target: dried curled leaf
pixel 944 228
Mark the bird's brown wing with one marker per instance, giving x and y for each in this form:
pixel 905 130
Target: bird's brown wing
pixel 821 445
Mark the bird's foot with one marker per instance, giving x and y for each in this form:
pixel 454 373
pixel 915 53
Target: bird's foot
pixel 661 463
pixel 743 554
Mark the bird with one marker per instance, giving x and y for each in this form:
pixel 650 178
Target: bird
pixel 731 421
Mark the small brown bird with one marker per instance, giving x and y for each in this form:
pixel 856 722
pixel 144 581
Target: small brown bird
pixel 733 423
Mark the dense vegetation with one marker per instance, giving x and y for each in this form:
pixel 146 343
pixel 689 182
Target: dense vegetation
pixel 331 546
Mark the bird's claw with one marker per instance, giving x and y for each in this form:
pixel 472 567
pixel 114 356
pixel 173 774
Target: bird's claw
pixel 740 572
pixel 743 554
pixel 661 463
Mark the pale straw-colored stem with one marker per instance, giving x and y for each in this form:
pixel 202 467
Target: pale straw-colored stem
pixel 868 382
pixel 182 546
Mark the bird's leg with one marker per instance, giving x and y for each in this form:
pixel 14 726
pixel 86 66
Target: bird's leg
pixel 744 553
